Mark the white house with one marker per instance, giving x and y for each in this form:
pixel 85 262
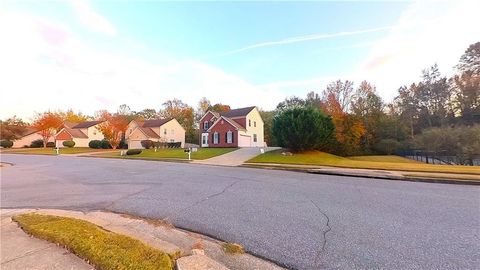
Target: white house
pixel 30 135
pixel 81 133
pixel 158 130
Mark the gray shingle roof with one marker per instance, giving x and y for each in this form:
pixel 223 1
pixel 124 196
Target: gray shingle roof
pixel 238 112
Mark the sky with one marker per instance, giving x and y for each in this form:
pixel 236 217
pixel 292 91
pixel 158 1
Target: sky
pixel 92 55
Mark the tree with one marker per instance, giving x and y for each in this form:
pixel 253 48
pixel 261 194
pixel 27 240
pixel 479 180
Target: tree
pixel 147 114
pixel 342 93
pixel 184 114
pixel 466 92
pixel 267 117
pixel 202 108
pixel 47 124
pixel 71 116
pixel 220 108
pixel 113 127
pixel 470 60
pixel 12 128
pixel 303 128
pixel 368 106
pixel 290 103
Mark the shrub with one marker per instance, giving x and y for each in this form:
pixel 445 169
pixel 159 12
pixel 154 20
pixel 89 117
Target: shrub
pixel 6 144
pixel 147 144
pixel 174 144
pixel 105 144
pixel 387 146
pixel 50 144
pixel 134 152
pixel 122 145
pixel 36 144
pixel 68 144
pixel 95 144
pixel 303 128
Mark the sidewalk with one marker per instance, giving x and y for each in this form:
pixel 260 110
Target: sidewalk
pixel 20 251
pixel 235 158
pixel 197 252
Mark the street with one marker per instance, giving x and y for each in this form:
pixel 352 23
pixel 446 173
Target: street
pixel 298 220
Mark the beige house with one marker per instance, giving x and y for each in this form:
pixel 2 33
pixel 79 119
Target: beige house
pixel 28 137
pixel 159 130
pixel 81 133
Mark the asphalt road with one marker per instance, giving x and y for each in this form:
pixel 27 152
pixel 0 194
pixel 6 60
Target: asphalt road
pixel 298 220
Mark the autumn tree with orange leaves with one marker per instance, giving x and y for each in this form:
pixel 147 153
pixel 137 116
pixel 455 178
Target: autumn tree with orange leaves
pixel 113 127
pixel 47 124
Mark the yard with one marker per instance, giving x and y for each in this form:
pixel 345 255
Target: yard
pixel 165 154
pixel 396 163
pixel 51 151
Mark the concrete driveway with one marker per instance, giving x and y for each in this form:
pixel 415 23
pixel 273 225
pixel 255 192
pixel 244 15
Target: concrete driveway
pixel 301 221
pixel 235 158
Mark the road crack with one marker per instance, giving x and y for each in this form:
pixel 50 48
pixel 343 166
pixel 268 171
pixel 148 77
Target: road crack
pixel 324 243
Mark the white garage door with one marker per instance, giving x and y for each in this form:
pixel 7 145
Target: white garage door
pixel 135 144
pixel 244 141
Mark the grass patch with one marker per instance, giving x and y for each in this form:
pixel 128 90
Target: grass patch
pixel 51 151
pixel 233 248
pixel 317 158
pixel 103 249
pixel 202 153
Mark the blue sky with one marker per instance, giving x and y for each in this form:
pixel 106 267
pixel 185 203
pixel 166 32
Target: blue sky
pixel 106 53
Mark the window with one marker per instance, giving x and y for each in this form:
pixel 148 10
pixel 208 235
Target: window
pixel 229 137
pixel 254 123
pixel 254 137
pixel 249 122
pixel 216 137
pixel 164 131
pixel 205 125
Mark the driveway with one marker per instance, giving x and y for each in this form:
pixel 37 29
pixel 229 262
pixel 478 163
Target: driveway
pixel 235 158
pixel 302 221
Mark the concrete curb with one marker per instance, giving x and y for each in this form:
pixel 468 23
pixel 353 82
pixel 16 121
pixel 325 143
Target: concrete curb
pixel 392 177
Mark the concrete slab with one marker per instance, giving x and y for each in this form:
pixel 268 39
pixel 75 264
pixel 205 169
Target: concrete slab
pixel 20 251
pixel 235 158
pixel 198 262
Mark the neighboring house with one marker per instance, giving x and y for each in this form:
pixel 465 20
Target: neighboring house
pixel 236 128
pixel 81 133
pixel 159 130
pixel 30 135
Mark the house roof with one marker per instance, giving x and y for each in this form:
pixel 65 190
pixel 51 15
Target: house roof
pixel 75 133
pixel 153 123
pixel 69 124
pixel 87 124
pixel 238 112
pixel 28 131
pixel 230 121
pixel 149 132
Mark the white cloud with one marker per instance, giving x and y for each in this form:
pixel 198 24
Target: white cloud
pixel 91 19
pixel 428 32
pixel 45 66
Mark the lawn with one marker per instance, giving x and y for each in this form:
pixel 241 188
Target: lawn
pixel 396 163
pixel 103 249
pixel 202 153
pixel 51 151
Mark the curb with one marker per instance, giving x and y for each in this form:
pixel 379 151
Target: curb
pixel 391 178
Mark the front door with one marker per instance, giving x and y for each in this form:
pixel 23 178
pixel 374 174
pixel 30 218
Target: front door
pixel 204 139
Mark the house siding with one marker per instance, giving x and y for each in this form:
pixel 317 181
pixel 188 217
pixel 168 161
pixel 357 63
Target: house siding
pixel 222 129
pixel 27 140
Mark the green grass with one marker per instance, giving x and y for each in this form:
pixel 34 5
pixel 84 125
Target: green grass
pixel 202 153
pixel 317 158
pixel 104 249
pixel 51 151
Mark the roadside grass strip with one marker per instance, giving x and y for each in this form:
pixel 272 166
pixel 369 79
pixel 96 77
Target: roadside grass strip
pixel 395 163
pixel 150 154
pixel 51 151
pixel 103 249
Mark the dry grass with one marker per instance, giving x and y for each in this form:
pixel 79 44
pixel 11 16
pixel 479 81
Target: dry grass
pixel 162 154
pixel 233 248
pixel 154 222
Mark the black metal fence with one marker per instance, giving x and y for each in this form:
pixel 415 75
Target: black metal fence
pixel 441 157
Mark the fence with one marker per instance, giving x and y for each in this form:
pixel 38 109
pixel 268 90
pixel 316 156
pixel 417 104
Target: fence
pixel 441 157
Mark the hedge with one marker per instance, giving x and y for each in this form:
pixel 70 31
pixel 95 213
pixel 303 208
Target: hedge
pixel 134 152
pixel 68 144
pixel 6 144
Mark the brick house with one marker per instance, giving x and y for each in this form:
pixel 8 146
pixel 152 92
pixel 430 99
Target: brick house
pixel 241 127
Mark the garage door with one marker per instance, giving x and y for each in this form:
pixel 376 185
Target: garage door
pixel 244 141
pixel 135 144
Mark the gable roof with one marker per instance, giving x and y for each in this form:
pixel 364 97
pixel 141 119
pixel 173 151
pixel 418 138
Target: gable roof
pixel 215 114
pixel 28 131
pixel 149 132
pixel 238 112
pixel 153 123
pixel 86 124
pixel 230 121
pixel 75 133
